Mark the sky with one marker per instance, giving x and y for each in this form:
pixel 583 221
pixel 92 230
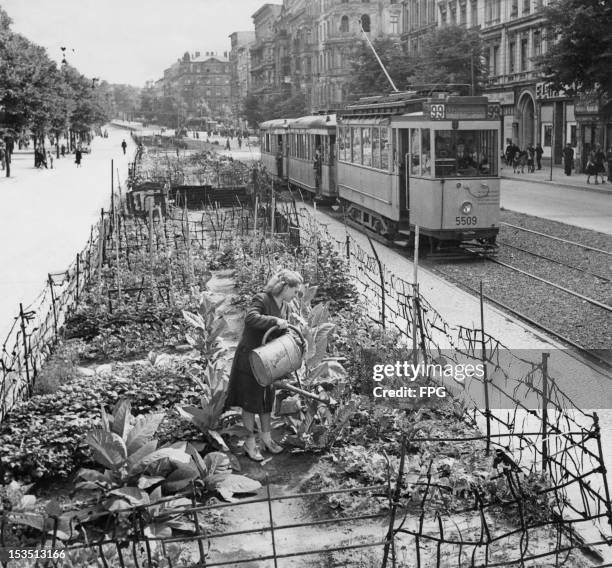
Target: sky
pixel 129 41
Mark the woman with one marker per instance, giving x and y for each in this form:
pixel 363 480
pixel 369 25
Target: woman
pixel 267 309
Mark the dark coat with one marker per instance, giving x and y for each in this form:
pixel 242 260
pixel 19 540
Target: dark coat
pixel 244 390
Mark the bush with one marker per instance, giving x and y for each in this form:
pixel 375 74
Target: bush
pixel 43 437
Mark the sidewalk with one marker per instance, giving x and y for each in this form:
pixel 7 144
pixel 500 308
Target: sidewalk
pixel 575 181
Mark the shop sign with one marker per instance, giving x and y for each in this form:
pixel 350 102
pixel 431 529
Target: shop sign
pixel 502 98
pixel 544 92
pixel 587 104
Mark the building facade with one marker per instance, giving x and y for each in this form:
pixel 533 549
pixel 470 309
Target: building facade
pixel 202 81
pixel 240 68
pixel 264 74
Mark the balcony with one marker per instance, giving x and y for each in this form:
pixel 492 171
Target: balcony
pixel 512 78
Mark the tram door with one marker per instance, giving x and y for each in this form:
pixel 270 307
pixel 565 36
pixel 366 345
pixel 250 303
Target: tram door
pixel 403 159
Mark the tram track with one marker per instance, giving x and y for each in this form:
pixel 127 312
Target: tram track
pixel 581 321
pixel 555 261
pixel 552 237
pixel 544 281
pixel 589 354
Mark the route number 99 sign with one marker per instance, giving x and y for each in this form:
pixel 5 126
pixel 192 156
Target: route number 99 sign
pixel 437 111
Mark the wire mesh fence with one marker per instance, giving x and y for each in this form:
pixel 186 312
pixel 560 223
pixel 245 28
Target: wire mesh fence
pixel 539 431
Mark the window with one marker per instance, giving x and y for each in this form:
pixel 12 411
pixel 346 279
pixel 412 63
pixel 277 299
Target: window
pixel 526 7
pixel 365 22
pixel 573 140
pixel 394 22
pixel 537 42
pixel 463 14
pixel 465 153
pixel 425 153
pixel 495 69
pixel 366 146
pixel 384 148
pixel 375 147
pixel 356 146
pixel 511 57
pixel 415 151
pixel 514 9
pixel 547 135
pixel 524 56
pixel 473 13
pixel 344 24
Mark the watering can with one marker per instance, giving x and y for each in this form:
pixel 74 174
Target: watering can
pixel 279 357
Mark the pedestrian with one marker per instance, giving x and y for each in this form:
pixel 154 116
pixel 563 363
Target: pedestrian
pixel 568 159
pixel 227 144
pixel 538 152
pixel 78 156
pixel 600 160
pixel 63 150
pixel 239 143
pixel 267 310
pixel 124 146
pixel 50 158
pixel 530 159
pixel 2 153
pixel 591 169
pixel 609 160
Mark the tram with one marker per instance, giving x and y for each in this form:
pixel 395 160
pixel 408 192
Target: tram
pixel 402 160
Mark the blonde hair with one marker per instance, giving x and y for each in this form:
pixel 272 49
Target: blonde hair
pixel 281 279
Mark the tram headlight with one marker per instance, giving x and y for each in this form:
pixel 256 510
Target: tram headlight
pixel 466 208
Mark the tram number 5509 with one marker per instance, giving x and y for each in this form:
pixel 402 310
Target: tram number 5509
pixel 466 220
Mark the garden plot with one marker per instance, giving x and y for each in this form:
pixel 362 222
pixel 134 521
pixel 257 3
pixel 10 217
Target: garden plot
pixel 156 474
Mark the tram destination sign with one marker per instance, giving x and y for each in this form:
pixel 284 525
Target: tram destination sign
pixel 451 111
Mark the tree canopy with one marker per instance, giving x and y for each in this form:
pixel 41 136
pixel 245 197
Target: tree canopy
pixel 36 94
pixel 451 54
pixel 367 77
pixel 580 60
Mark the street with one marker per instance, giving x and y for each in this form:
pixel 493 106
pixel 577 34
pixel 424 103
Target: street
pixel 587 209
pixel 47 215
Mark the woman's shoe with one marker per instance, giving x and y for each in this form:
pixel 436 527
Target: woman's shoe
pixel 269 443
pixel 251 449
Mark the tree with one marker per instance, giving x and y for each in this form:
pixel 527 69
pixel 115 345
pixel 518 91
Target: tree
pixel 367 77
pixel 451 54
pixel 581 58
pixel 252 110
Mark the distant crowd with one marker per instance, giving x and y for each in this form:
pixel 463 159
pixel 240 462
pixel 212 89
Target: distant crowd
pixel 599 164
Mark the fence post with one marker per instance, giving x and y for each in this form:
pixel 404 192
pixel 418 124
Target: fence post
pixel 485 378
pixel 25 347
pixel 348 246
pixel 50 282
pixel 271 521
pixel 78 274
pixel 390 538
pixel 545 357
pixel 382 284
pixel 602 466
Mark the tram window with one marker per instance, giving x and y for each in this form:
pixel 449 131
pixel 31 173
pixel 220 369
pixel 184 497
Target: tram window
pixel 366 146
pixel 425 153
pixel 384 148
pixel 375 147
pixel 356 146
pixel 342 142
pixel 460 153
pixel 415 151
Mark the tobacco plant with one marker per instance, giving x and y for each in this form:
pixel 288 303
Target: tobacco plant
pixel 208 416
pixel 206 328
